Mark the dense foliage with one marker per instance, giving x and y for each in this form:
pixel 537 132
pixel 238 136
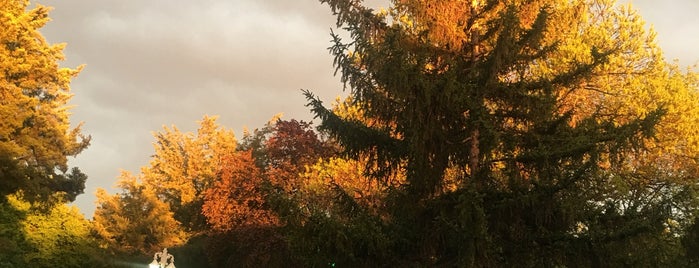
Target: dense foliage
pixel 37 228
pixel 490 133
pixel 35 134
pixel 34 235
pixel 528 133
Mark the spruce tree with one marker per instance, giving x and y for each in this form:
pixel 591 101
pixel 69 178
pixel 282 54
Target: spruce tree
pixel 467 86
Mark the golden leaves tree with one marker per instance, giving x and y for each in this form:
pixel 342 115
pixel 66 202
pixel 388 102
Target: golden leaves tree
pixel 42 234
pixel 35 140
pixel 135 221
pixel 185 165
pixel 635 81
pixel 35 133
pixel 162 206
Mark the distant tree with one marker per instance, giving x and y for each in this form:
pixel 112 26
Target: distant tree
pixel 256 141
pixel 239 206
pixel 35 133
pixel 185 165
pixel 135 221
pixel 291 147
pixel 237 199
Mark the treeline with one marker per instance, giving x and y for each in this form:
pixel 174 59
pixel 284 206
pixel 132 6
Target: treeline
pixel 476 134
pixel 209 188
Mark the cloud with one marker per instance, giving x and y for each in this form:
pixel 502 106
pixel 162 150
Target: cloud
pixel 676 24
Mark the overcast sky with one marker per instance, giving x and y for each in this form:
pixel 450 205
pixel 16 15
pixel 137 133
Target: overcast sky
pixel 151 63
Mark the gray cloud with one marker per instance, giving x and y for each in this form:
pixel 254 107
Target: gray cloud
pixel 677 25
pixel 153 63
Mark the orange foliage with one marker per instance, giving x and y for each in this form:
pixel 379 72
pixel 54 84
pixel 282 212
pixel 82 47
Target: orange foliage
pixel 236 199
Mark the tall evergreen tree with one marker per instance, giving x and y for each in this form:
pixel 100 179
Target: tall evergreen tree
pixel 468 86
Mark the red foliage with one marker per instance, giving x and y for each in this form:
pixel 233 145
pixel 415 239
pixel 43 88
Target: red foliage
pixel 292 146
pixel 295 143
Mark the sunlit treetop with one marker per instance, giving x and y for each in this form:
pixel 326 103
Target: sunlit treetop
pixel 463 83
pixel 35 132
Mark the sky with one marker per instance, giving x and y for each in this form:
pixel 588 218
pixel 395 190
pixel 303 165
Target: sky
pixel 156 63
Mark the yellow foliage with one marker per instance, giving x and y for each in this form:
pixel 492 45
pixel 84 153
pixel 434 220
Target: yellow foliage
pixel 55 232
pixel 34 91
pixel 444 21
pixel 184 165
pixel 349 175
pixel 455 25
pixel 135 220
pixel 635 81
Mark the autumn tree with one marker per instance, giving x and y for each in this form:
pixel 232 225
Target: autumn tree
pixel 634 82
pixel 255 141
pixel 135 221
pixel 37 228
pixel 244 229
pixel 336 174
pixel 42 235
pixel 236 199
pixel 478 102
pixel 197 185
pixel 323 198
pixel 292 146
pixel 185 165
pixel 35 133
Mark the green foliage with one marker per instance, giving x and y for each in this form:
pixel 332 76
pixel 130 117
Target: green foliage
pixel 12 238
pixel 320 236
pixel 192 254
pixel 249 246
pixel 46 236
